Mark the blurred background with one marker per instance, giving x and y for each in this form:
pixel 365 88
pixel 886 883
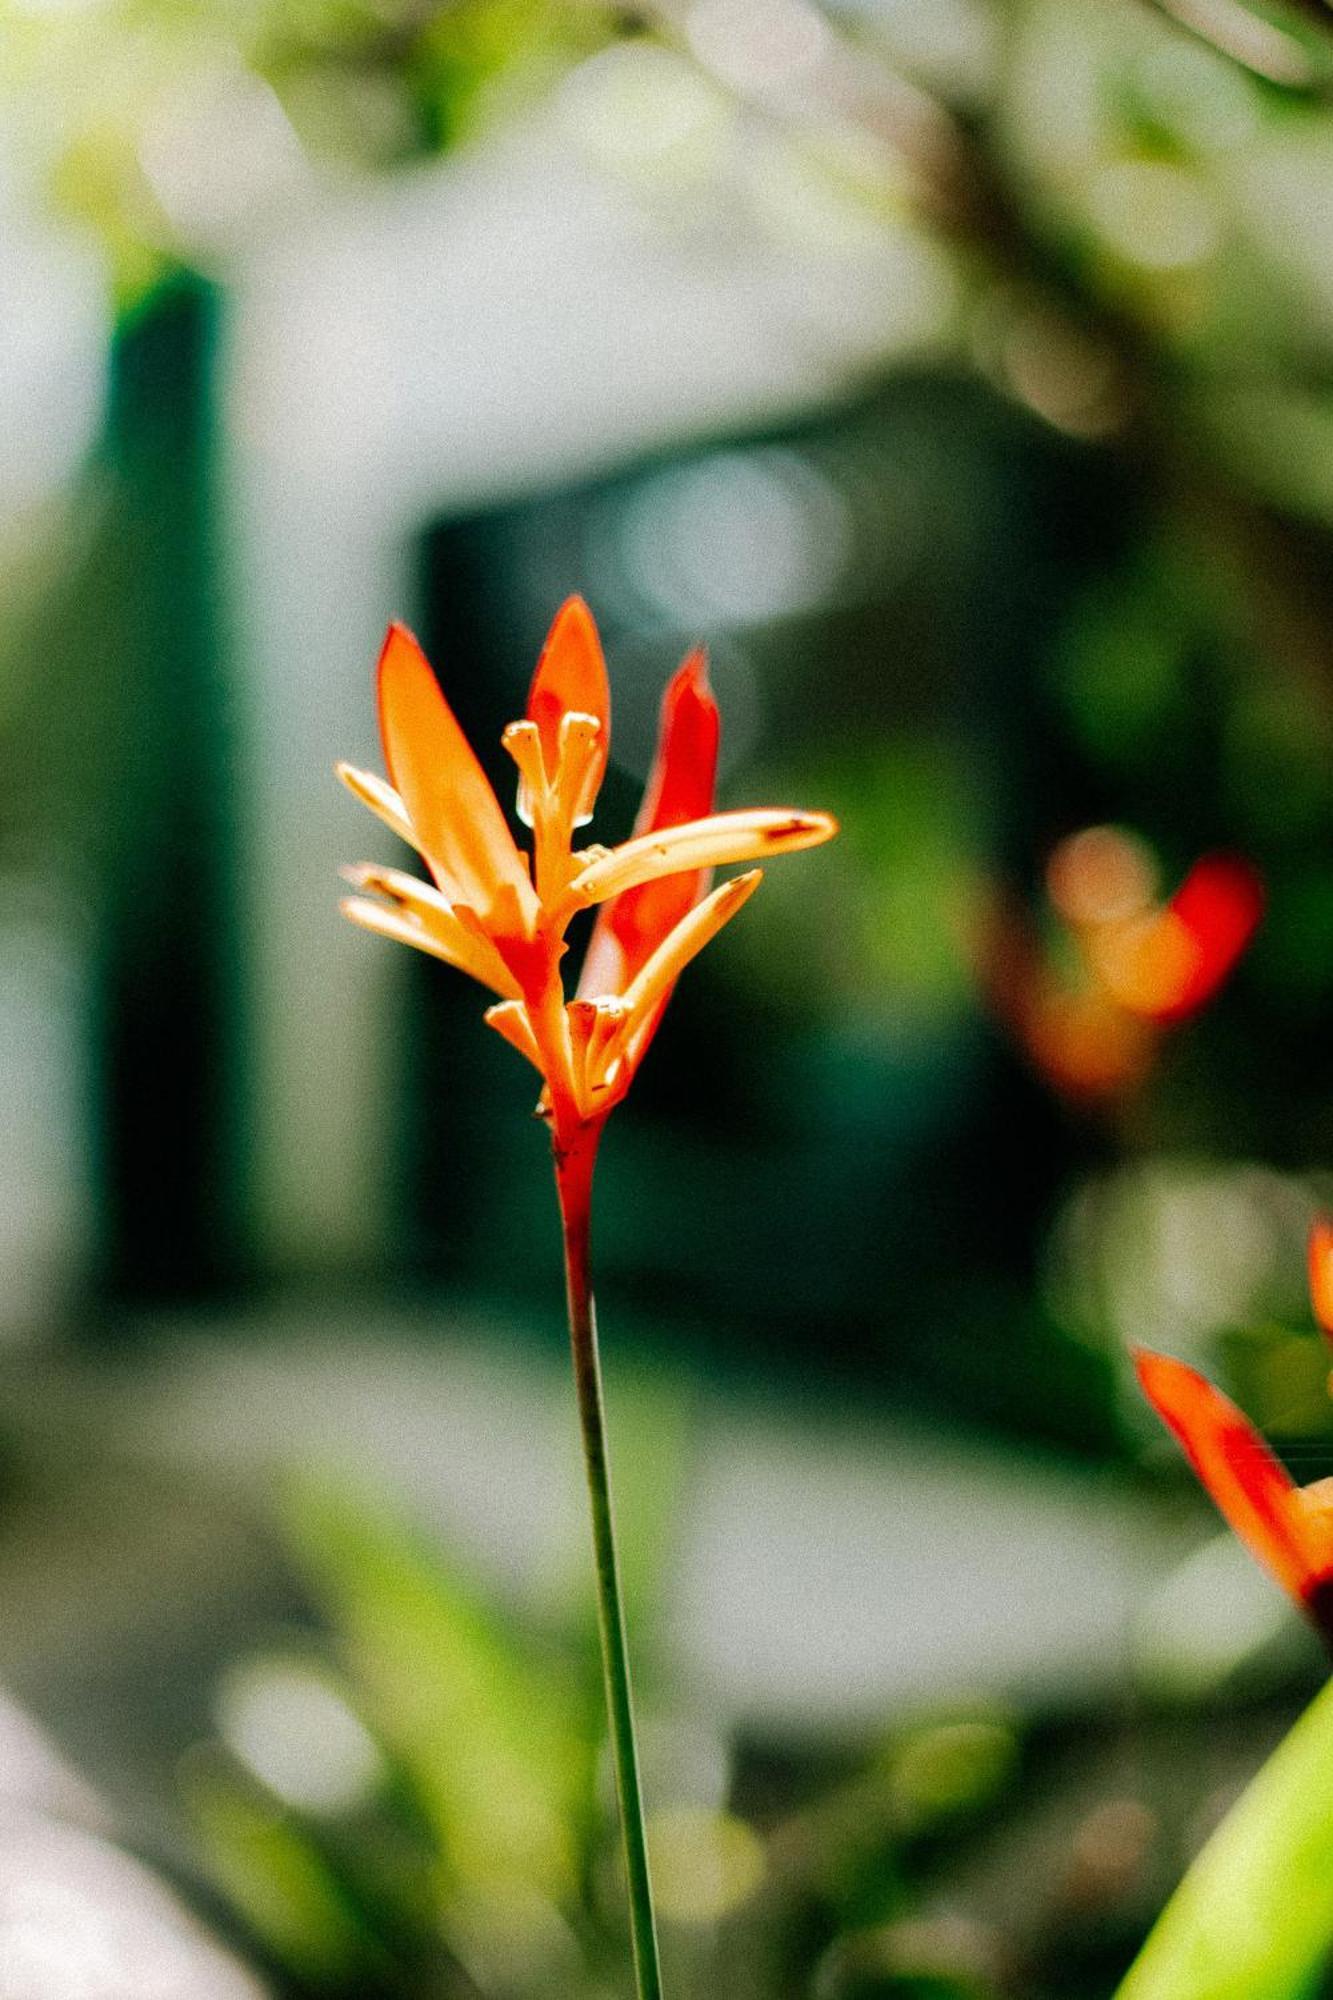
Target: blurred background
pixel 962 375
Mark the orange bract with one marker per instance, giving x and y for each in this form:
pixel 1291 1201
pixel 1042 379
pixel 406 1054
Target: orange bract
pixel 1255 1496
pixel 571 680
pixel 501 916
pixel 1289 1528
pixel 1321 1272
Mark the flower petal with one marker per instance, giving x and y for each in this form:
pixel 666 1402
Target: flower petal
pixel 644 1001
pixel 1250 1488
pixel 391 923
pixel 684 772
pixel 571 678
pixel 510 1019
pixel 702 843
pixel 454 811
pixel 1321 1272
pixel 680 788
pixel 455 930
pixel 654 980
pixel 1220 903
pixel 382 799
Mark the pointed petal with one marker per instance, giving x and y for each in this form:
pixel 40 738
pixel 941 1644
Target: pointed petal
pixel 681 787
pixel 1321 1272
pixel 646 996
pixel 571 677
pixel 382 799
pixel 510 1019
pixel 702 843
pixel 454 930
pixel 684 774
pixel 1251 1490
pixel 391 923
pixel 454 812
pixel 655 979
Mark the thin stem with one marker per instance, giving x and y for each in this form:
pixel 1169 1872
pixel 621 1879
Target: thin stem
pixel 573 1172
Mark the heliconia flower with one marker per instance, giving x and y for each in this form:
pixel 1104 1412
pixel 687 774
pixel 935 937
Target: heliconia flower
pixel 501 916
pixel 1289 1528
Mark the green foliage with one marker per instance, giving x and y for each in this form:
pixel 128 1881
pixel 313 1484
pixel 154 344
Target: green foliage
pixel 492 1731
pixel 416 1818
pixel 409 1809
pixel 274 1873
pixel 1253 1919
pixel 120 107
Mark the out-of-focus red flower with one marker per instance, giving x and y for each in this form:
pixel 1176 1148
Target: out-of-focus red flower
pixel 1138 967
pixel 1168 965
pixel 1086 1046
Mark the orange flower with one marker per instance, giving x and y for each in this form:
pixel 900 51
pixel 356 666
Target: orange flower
pixel 1321 1273
pixel 502 917
pixel 1289 1528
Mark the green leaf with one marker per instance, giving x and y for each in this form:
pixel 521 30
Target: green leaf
pixel 275 1875
pixel 1253 1918
pixel 490 1730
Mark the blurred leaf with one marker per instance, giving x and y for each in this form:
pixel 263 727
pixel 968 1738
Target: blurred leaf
pixel 276 1876
pixel 949 1770
pixel 1277 438
pixel 490 1731
pixel 1120 669
pixel 485 60
pixel 1253 1918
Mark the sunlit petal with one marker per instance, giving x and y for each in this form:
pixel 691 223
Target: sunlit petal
pixel 702 843
pixel 654 980
pixel 1250 1488
pixel 571 678
pixel 391 923
pixel 454 928
pixel 523 742
pixel 510 1019
pixel 627 1037
pixel 382 799
pixel 455 813
pixel 579 764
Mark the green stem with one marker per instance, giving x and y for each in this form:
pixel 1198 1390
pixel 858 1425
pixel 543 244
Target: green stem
pixel 573 1172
